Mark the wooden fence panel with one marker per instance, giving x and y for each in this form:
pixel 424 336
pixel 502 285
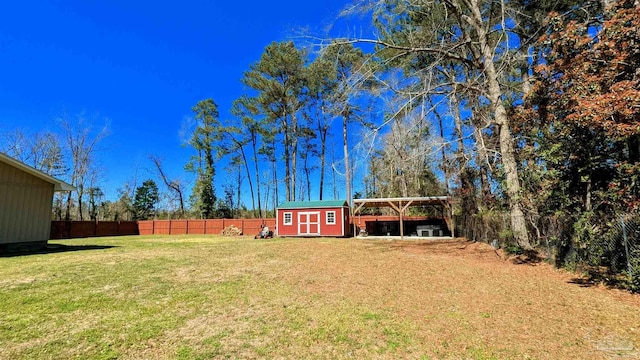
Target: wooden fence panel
pixel 161 227
pixel 128 228
pixel 196 227
pixel 214 226
pixel 179 227
pixel 60 230
pixel 145 227
pixel 107 228
pixel 82 229
pixel 79 229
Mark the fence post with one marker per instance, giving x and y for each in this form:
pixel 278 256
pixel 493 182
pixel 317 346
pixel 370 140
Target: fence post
pixel 626 245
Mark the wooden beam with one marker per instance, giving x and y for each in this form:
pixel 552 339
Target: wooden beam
pixel 393 206
pixel 358 208
pixel 407 205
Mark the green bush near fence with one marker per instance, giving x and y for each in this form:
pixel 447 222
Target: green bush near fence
pixel 608 250
pixel 634 270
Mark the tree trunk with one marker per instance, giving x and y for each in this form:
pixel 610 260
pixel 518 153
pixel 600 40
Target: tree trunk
pixel 518 224
pixel 67 214
pixel 275 175
pixel 238 215
pixel 347 166
pixel 458 130
pixel 307 173
pixel 322 162
pixel 246 166
pixel 255 152
pixel 323 151
pixel 80 196
pixel 482 159
pixel 294 155
pixel 287 166
pixel 445 168
pixel 333 173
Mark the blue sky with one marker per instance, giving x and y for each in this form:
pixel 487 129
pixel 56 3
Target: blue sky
pixel 139 66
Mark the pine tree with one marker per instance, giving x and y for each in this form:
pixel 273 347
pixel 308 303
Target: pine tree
pixel 144 203
pixel 278 79
pixel 204 141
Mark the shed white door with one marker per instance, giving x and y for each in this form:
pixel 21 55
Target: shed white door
pixel 309 223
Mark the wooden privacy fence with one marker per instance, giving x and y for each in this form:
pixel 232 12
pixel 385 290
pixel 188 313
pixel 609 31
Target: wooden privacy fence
pixel 202 227
pixel 80 229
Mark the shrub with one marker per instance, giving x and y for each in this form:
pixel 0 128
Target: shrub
pixel 634 271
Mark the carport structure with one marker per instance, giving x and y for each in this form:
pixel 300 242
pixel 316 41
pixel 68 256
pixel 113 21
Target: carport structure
pixel 401 204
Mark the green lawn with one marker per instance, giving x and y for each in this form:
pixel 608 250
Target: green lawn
pixel 212 297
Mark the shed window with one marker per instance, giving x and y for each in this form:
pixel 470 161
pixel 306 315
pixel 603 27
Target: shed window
pixel 331 217
pixel 288 218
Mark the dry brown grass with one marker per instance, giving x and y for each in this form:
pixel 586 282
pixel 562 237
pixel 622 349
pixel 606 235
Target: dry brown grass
pixel 324 298
pixel 464 299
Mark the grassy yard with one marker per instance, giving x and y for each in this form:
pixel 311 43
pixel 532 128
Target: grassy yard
pixel 213 297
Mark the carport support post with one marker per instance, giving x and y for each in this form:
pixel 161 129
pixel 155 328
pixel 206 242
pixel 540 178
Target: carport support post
pixel 399 210
pixel 352 218
pixel 402 210
pixel 401 222
pixel 448 208
pixel 356 210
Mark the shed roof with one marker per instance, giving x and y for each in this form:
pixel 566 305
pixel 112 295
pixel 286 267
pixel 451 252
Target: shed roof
pixel 313 204
pixel 58 185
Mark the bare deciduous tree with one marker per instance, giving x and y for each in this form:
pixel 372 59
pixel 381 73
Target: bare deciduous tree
pixel 174 185
pixel 81 145
pixel 41 150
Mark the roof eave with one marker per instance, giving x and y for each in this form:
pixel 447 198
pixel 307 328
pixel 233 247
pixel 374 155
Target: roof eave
pixel 58 185
pixel 62 186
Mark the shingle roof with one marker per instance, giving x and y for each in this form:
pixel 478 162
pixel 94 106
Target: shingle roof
pixel 312 204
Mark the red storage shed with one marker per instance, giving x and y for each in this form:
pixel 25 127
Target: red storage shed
pixel 313 218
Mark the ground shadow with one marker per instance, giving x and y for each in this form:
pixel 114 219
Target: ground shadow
pixel 458 247
pixel 594 278
pixel 51 249
pixel 582 282
pixel 527 257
